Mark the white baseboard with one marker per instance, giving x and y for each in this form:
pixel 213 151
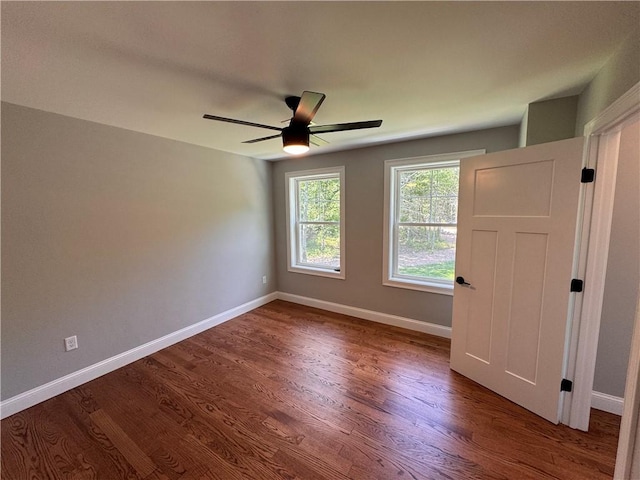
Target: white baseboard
pixel 408 323
pixel 607 403
pixel 600 401
pixel 56 387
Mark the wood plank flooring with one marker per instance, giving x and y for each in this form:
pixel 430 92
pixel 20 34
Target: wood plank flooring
pixel 291 392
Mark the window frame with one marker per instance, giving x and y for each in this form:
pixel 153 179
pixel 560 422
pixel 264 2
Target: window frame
pixel 292 180
pixel 392 168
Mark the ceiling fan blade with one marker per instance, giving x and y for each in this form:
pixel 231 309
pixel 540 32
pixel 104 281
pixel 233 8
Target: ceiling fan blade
pixel 239 122
pixel 308 106
pixel 256 140
pixel 317 141
pixel 339 127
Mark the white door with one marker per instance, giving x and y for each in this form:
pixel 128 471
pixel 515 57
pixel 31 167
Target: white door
pixel 517 219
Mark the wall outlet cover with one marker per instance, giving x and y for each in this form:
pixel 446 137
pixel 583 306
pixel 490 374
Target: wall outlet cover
pixel 71 343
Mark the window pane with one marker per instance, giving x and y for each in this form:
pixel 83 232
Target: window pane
pixel 319 200
pixel 427 252
pixel 429 195
pixel 320 245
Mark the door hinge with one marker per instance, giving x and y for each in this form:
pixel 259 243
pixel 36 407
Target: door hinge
pixel 566 385
pixel 576 285
pixel 588 175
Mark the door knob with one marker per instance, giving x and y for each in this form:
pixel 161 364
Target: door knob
pixel 460 281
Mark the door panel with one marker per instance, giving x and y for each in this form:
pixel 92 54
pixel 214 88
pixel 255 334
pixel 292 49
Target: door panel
pixel 514 190
pixel 516 233
pixel 484 245
pixel 526 305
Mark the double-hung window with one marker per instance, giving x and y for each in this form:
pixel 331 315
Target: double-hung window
pixel 421 213
pixel 315 218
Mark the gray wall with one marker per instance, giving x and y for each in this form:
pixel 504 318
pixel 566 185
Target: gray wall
pixel 549 121
pixel 617 76
pixel 364 203
pixel 119 238
pixel 623 271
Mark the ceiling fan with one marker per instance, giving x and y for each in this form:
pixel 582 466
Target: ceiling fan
pixel 295 137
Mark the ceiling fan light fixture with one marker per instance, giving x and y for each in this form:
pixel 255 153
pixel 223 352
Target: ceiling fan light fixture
pixel 295 140
pixel 295 137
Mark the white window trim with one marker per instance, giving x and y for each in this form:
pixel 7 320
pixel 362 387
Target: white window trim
pixel 291 208
pixel 390 166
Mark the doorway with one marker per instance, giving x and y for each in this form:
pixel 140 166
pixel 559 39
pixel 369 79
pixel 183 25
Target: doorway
pixel 603 142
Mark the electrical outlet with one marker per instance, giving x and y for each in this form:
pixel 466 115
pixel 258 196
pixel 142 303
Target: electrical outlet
pixel 71 343
pixel 264 279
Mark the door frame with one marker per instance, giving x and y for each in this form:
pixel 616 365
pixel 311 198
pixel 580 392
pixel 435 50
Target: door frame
pixel 602 141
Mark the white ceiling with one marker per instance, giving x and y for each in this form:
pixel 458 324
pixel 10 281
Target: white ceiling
pixel 425 68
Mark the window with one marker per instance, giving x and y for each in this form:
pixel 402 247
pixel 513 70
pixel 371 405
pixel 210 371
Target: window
pixel 315 216
pixel 421 211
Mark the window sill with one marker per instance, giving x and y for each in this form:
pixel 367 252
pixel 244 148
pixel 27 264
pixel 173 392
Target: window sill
pixel 431 287
pixel 320 272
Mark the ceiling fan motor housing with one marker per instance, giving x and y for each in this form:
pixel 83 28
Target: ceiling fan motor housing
pixel 295 135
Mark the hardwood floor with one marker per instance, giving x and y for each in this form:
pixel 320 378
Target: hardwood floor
pixel 287 391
